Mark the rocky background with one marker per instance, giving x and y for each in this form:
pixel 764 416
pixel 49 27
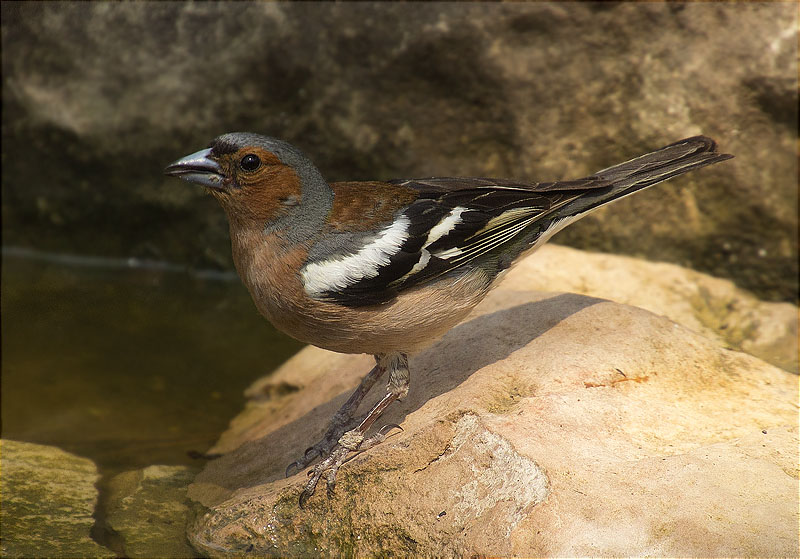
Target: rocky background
pixel 98 98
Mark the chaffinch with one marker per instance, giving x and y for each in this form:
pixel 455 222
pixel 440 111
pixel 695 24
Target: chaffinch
pixel 387 267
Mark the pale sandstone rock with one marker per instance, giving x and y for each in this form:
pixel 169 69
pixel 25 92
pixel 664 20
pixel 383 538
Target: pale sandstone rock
pixel 545 424
pixel 710 306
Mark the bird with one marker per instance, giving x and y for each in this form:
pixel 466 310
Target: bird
pixel 386 267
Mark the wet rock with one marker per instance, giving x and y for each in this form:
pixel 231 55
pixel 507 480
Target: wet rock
pixel 107 94
pixel 48 498
pixel 148 511
pixel 545 424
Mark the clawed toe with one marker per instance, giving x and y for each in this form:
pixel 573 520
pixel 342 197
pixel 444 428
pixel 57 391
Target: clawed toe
pixel 328 468
pixel 386 429
pixel 296 465
pixel 331 482
pixel 350 442
pixel 353 441
pixel 304 495
pixel 312 453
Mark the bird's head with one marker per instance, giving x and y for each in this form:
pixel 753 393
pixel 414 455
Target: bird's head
pixel 256 177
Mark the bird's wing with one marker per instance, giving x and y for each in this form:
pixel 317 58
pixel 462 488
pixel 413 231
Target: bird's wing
pixel 451 223
pixel 456 222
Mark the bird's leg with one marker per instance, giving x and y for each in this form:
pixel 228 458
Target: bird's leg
pixel 354 440
pixel 340 421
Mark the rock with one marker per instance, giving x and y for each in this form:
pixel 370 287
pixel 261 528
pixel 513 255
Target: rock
pixel 107 94
pixel 710 306
pixel 48 501
pixel 544 425
pixel 147 511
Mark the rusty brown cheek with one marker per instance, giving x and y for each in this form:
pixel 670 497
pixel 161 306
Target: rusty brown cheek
pixel 263 196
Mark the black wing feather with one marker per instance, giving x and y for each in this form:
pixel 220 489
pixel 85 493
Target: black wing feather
pixel 502 217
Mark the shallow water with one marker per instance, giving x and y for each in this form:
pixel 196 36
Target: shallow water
pixel 127 366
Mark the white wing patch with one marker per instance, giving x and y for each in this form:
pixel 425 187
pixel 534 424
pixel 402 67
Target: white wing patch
pixel 424 258
pixel 495 232
pixel 445 226
pixel 339 272
pixel 437 232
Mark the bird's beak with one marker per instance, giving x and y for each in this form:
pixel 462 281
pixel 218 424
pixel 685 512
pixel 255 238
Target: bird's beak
pixel 200 168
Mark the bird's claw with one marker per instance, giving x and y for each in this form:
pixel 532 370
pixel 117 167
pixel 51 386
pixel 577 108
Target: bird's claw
pixel 322 448
pixel 328 468
pixel 303 498
pixel 386 429
pixel 294 464
pixel 308 456
pixel 331 482
pixel 352 441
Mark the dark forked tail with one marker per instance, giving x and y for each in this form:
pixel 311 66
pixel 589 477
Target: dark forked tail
pixel 646 170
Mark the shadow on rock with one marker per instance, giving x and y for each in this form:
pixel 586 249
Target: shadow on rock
pixel 467 348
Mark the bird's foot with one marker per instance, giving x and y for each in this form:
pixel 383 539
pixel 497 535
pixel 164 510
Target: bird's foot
pixel 322 448
pixel 351 441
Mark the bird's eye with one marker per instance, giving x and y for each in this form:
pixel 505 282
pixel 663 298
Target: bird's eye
pixel 250 162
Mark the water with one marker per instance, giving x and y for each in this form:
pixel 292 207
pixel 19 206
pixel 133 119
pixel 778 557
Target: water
pixel 126 363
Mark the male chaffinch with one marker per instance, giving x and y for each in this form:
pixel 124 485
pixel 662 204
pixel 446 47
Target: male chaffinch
pixel 387 267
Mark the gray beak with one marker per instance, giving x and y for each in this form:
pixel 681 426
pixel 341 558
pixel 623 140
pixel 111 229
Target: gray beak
pixel 199 168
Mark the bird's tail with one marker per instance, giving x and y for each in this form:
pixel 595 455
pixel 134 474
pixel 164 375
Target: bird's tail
pixel 646 170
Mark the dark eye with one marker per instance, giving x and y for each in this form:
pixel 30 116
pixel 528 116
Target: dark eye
pixel 250 162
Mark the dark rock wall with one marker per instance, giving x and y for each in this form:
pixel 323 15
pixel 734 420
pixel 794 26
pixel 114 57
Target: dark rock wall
pixel 99 97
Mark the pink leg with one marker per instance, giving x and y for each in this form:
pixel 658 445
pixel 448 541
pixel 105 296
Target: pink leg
pixel 353 440
pixel 339 422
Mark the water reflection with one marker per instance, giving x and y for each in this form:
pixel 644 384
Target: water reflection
pixel 126 363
